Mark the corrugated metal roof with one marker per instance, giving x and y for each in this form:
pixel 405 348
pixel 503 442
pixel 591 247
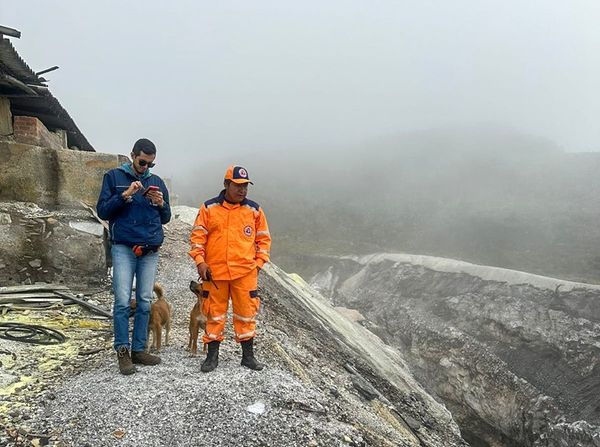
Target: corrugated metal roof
pixel 12 64
pixel 30 96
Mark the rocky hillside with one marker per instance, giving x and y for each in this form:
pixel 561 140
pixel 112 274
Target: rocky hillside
pixel 328 381
pixel 514 356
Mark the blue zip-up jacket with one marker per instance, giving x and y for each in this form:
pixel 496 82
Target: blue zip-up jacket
pixel 134 222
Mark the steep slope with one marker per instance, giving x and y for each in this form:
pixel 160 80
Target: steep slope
pixel 339 343
pixel 515 358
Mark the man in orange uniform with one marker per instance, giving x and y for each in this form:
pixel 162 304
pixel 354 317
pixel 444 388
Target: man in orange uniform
pixel 230 243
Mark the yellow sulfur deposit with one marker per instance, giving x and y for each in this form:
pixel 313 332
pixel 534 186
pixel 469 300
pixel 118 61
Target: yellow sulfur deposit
pixel 16 386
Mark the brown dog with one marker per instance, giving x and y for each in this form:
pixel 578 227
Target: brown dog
pixel 197 318
pixel 160 316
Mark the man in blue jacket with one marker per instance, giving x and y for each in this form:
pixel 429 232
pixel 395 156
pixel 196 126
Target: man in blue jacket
pixel 136 204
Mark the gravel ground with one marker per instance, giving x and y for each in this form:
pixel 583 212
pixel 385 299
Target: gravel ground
pixel 175 404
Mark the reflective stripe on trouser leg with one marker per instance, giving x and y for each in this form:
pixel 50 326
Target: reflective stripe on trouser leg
pixel 215 309
pixel 246 303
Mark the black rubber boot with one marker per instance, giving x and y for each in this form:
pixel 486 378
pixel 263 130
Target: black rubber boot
pixel 212 358
pixel 248 359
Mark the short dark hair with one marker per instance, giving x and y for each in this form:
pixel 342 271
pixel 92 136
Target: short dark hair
pixel 144 145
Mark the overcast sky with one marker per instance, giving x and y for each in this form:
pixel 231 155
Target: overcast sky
pixel 228 79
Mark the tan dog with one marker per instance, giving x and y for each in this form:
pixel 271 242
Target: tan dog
pixel 160 316
pixel 197 318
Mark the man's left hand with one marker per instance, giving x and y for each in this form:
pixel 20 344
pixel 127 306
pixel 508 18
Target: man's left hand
pixel 156 197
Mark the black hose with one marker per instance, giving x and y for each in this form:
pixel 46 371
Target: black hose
pixel 31 333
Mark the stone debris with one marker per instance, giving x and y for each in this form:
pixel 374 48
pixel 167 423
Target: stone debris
pixel 256 408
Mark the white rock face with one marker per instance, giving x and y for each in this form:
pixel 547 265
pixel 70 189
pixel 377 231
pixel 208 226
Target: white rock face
pixel 481 271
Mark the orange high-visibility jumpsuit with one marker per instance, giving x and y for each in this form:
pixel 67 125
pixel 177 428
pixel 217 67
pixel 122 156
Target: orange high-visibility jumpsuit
pixel 234 240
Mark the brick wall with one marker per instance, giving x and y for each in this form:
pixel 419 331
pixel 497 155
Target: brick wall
pixel 30 130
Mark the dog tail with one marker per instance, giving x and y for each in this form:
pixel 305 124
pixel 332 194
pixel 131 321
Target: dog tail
pixel 158 290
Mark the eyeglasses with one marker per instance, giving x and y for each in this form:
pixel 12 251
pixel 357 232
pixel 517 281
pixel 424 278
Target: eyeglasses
pixel 144 163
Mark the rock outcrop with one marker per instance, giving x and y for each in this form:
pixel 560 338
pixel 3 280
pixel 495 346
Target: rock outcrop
pixel 63 245
pixel 515 357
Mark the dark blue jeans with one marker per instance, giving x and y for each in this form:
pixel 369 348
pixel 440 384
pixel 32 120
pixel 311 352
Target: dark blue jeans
pixel 126 265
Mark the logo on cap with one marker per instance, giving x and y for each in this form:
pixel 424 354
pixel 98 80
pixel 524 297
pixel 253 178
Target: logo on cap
pixel 237 174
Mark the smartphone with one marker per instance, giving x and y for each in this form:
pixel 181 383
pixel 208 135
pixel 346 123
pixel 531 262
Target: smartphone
pixel 151 188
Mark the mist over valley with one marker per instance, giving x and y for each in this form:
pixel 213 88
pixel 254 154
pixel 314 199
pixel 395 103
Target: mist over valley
pixel 484 194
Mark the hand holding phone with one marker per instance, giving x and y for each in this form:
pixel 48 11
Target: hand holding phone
pixel 151 188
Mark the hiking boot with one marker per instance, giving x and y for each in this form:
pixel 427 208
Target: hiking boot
pixel 144 358
pixel 125 365
pixel 248 359
pixel 212 358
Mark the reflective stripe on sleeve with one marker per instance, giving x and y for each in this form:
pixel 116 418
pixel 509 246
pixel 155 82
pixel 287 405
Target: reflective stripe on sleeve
pixel 200 227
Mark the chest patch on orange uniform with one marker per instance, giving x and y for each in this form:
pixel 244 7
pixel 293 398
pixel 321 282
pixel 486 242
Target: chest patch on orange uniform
pixel 248 230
